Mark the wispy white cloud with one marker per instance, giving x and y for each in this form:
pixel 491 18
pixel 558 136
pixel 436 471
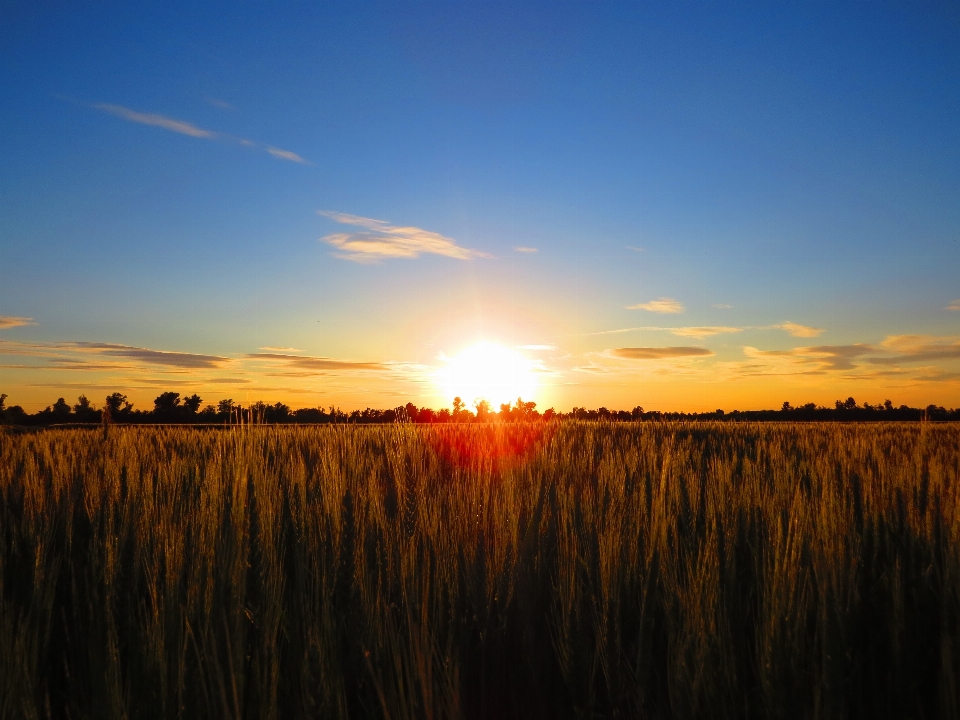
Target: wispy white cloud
pixel 524 249
pixel 857 361
pixel 635 248
pixel 919 348
pixel 722 306
pixel 658 353
pixel 269 348
pixel 286 155
pixel 954 305
pixel 152 357
pixel 107 356
pixel 820 357
pixel 703 332
pixel 187 128
pixel 306 365
pixel 217 103
pixel 380 240
pixel 694 332
pixel 9 321
pixel 617 331
pixel 660 305
pixel 797 330
pixel 167 123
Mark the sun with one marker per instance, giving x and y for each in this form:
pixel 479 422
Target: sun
pixel 489 372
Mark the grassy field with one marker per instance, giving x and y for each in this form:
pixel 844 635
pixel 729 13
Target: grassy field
pixel 531 571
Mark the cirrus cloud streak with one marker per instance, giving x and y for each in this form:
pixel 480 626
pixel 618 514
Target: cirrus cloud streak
pixel 379 240
pixel 659 353
pixel 8 321
pixel 187 128
pixel 660 305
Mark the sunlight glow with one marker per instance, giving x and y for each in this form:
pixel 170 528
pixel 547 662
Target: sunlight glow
pixel 490 372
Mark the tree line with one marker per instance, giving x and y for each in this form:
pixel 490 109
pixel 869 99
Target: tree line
pixel 172 408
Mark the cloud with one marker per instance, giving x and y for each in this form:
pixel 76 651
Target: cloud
pixel 315 365
pixel 185 128
pixel 798 330
pixel 635 248
pixel 9 321
pixel 222 104
pixel 537 347
pixel 704 332
pixel 694 332
pixel 280 349
pixel 153 357
pixel 618 330
pixel 722 306
pixel 919 348
pixel 937 376
pixel 522 249
pixel 824 357
pixel 167 123
pixel 382 240
pixel 954 305
pixel 286 155
pixel 660 305
pixel 658 353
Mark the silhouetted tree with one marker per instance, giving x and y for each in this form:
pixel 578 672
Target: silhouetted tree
pixel 225 408
pixel 166 403
pixel 460 413
pixel 483 409
pixel 277 412
pixel 60 410
pixel 411 412
pixel 84 411
pixel 524 410
pixel 192 404
pixel 115 401
pixel 13 415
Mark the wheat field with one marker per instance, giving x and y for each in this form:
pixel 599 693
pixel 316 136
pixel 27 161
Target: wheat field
pixel 563 570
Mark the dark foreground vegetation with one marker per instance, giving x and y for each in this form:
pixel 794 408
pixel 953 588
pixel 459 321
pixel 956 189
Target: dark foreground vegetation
pixel 538 570
pixel 170 408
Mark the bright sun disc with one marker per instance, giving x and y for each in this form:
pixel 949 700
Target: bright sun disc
pixel 489 372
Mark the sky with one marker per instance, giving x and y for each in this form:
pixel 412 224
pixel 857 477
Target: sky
pixel 682 206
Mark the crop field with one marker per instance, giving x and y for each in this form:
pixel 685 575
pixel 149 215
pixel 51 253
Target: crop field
pixel 561 570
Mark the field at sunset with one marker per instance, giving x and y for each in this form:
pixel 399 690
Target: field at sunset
pixel 548 570
pixel 481 359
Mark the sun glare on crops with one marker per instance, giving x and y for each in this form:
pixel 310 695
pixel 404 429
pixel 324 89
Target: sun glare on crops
pixel 490 372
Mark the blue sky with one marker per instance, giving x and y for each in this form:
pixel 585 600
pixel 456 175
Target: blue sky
pixel 164 169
